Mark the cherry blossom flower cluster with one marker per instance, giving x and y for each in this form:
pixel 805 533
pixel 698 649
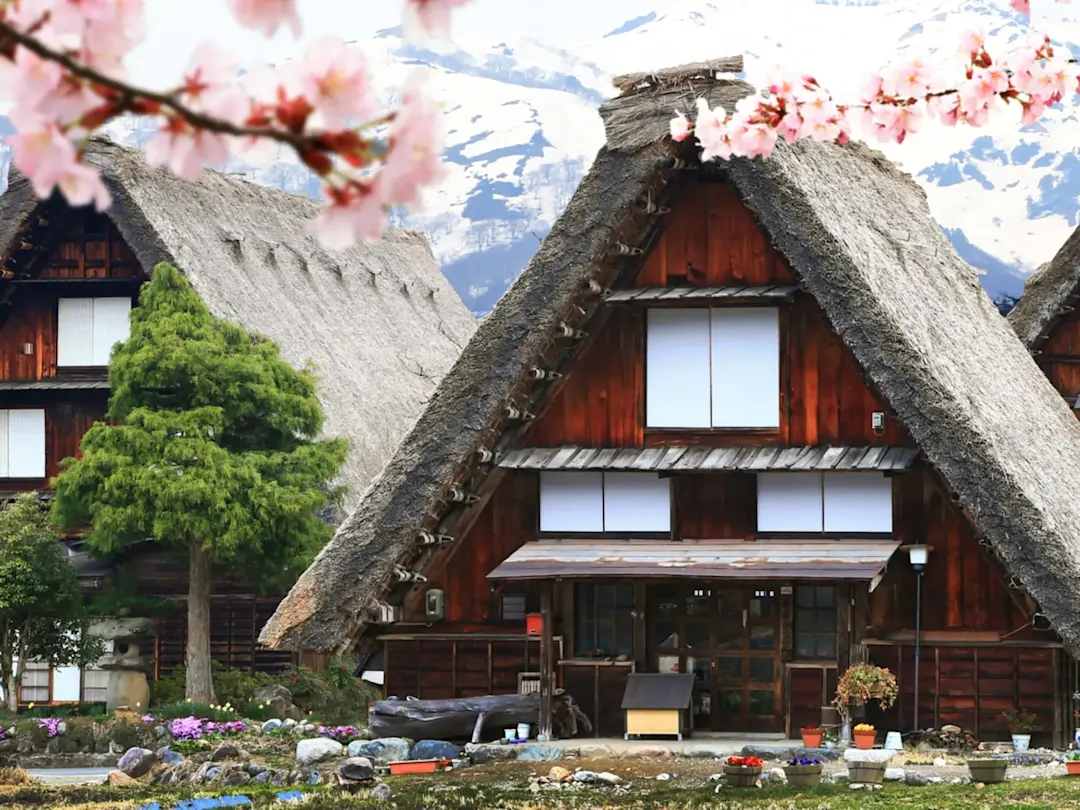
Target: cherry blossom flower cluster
pixel 62 68
pixel 894 103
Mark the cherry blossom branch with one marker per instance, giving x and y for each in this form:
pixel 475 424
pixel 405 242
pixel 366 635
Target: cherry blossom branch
pixel 61 62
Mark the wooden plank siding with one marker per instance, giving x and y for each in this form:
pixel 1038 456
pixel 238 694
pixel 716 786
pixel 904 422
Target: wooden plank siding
pixel 1060 357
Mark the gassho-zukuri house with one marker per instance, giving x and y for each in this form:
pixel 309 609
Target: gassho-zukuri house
pixel 701 434
pixel 379 322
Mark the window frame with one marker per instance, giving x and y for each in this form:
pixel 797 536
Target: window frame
pixel 6 435
pixel 92 340
pixel 783 311
pixel 616 619
pixel 816 610
pixel 652 534
pixel 825 531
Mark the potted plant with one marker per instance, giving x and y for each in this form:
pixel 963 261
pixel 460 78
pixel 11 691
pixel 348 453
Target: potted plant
pixel 811 735
pixel 864 682
pixel 804 771
pixel 864 735
pixel 1021 723
pixel 742 771
pixel 988 771
pixel 1072 763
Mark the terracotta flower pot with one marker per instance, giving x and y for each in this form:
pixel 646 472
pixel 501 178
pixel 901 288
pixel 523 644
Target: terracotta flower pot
pixel 742 775
pixel 812 739
pixel 864 739
pixel 1073 767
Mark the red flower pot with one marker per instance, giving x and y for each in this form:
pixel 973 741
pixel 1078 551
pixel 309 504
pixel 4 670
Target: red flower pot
pixel 812 738
pixel 864 740
pixel 1073 767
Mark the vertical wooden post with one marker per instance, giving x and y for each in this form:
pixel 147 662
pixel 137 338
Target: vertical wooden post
pixel 547 664
pixel 640 598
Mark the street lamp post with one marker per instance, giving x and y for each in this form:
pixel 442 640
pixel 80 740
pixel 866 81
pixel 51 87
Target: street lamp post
pixel 918 554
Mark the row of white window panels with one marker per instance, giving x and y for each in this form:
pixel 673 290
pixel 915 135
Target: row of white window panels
pixel 22 443
pixel 713 368
pixel 69 684
pixel 87 328
pixel 786 502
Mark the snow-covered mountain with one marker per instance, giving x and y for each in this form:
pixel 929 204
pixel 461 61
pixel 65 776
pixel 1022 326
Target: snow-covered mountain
pixel 522 128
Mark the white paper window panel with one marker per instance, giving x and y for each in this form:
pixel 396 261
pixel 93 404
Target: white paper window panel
pixel 111 325
pixel 677 368
pixel 571 502
pixel 67 683
pixel 746 368
pixel 75 332
pixel 637 502
pixel 789 502
pixel 4 443
pixel 95 685
pixel 26 443
pixel 858 502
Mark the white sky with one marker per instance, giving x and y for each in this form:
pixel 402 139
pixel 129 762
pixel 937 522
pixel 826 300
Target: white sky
pixel 175 27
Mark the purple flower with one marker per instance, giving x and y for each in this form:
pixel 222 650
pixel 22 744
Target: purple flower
pixel 147 718
pixel 52 724
pixel 186 728
pixel 337 732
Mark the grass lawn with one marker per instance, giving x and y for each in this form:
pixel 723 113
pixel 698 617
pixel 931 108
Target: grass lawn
pixel 424 793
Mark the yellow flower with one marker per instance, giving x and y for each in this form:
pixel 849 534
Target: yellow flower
pixel 30 705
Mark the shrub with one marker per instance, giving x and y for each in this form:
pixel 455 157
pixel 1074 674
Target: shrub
pixel 336 696
pixel 253 710
pixel 80 730
pixel 168 690
pixel 236 686
pixel 30 729
pixel 125 734
pixel 187 708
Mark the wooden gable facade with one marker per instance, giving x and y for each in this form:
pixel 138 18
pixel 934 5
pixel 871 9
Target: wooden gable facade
pixel 767 634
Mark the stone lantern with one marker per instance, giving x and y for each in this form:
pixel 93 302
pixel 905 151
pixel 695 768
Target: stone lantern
pixel 129 662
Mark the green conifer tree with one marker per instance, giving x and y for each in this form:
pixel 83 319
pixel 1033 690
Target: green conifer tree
pixel 210 449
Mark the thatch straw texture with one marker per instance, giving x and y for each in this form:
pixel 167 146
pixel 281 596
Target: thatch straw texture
pixel 860 236
pixel 1048 294
pixel 379 322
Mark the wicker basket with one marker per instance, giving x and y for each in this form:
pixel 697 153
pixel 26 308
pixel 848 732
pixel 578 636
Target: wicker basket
pixel 866 773
pixel 803 775
pixel 742 775
pixel 988 771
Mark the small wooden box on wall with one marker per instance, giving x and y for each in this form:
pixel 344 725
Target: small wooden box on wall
pixel 658 704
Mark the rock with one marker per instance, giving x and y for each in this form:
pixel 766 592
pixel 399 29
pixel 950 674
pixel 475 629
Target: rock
pixel 838 776
pixel 137 762
pixel 824 754
pixel 916 779
pixel 951 729
pixel 559 774
pixel 586 777
pixel 596 752
pixel 647 752
pixel 777 775
pixel 940 762
pixel 8 746
pixel 356 769
pixel 235 778
pixel 434 749
pixel 170 757
pixel 538 752
pixel 895 774
pixel 483 753
pixel 305 728
pixel 314 778
pixel 261 778
pixel 935 780
pixel 872 755
pixel 767 752
pixel 308 752
pixel 534 787
pixel 663 777
pixel 277 698
pixel 384 751
pixel 61 728
pixel 288 722
pixel 716 777
pixel 294 776
pixel 225 751
pixel 353 748
pixel 119 779
pixel 211 774
pixel 271 725
pixel 159 732
pixel 254 769
pixel 382 792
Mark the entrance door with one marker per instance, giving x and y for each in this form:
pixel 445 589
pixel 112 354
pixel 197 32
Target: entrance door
pixel 729 637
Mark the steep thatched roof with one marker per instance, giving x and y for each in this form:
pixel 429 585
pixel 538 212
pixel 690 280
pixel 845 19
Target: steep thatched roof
pixel 1048 294
pixel 859 235
pixel 380 322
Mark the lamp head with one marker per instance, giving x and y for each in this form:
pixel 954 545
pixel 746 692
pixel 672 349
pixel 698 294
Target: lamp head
pixel 919 555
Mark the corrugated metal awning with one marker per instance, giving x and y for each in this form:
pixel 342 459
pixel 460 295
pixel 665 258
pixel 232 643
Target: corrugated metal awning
pixel 706 459
pixel 53 385
pixel 658 295
pixel 815 559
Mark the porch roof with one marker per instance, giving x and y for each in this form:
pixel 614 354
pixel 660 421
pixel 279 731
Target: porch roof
pixel 719 459
pixel 818 559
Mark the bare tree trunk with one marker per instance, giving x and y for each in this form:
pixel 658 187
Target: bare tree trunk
pixel 200 684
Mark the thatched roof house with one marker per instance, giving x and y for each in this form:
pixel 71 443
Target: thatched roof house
pixel 1050 293
pixel 859 236
pixel 379 322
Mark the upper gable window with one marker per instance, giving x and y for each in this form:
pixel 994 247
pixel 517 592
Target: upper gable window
pixel 87 328
pixel 855 502
pixel 713 368
pixel 604 502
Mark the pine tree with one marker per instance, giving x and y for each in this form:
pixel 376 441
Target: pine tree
pixel 211 450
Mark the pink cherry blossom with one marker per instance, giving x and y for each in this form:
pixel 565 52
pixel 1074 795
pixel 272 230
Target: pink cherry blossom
pixel 266 16
pixel 429 18
pixel 752 139
pixel 71 16
pixel 712 131
pixel 415 147
pixel 344 220
pixel 334 78
pixel 680 127
pixel 35 78
pixel 910 80
pixel 49 160
pixel 210 84
pixel 972 41
pixel 82 185
pixel 107 41
pixel 186 151
pixel 1023 6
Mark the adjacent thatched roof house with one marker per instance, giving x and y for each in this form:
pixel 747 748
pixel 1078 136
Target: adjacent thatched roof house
pixel 859 235
pixel 1050 293
pixel 379 322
